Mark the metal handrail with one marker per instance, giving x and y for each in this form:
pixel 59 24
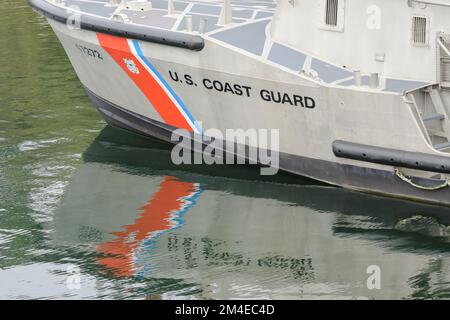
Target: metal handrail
pixel 443 3
pixel 443 47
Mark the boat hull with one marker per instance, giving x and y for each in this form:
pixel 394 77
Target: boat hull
pixel 309 116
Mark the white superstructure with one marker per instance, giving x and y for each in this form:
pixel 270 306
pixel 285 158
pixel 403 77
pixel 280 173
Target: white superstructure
pixel 394 38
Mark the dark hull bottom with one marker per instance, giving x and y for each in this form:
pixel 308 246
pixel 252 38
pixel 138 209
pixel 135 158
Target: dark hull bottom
pixel 363 179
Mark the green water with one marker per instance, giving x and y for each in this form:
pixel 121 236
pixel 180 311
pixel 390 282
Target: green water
pixel 88 211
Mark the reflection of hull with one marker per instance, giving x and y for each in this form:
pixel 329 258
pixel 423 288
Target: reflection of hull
pixel 241 238
pixel 163 212
pixel 132 83
pixel 114 146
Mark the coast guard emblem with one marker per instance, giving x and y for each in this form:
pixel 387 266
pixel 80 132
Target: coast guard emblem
pixel 131 66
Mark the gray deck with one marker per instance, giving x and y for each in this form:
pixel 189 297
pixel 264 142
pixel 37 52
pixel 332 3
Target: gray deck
pixel 248 33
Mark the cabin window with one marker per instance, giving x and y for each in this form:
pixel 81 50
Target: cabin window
pixel 419 31
pixel 331 12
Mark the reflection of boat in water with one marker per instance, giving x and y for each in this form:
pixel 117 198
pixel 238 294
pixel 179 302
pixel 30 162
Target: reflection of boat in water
pixel 240 237
pixel 352 105
pixel 163 212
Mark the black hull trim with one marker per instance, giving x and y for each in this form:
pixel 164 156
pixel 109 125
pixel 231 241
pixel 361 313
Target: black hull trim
pixel 391 157
pixel 368 180
pixel 131 31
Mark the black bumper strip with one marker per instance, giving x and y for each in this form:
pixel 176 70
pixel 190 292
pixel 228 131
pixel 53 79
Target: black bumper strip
pixel 391 157
pixel 132 31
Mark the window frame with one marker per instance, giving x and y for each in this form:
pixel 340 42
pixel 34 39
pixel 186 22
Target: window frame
pixel 427 31
pixel 340 16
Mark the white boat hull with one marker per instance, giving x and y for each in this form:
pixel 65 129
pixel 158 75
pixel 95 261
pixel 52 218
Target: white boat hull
pixel 310 116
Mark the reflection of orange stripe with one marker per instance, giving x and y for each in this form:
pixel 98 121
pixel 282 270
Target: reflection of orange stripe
pixel 154 217
pixel 119 49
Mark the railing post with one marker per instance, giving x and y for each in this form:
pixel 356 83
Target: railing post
pixel 226 13
pixel 170 8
